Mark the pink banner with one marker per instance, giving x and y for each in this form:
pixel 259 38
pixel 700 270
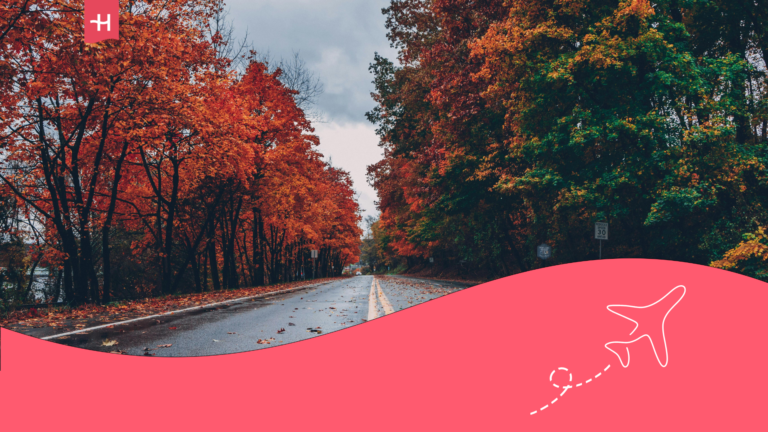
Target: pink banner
pixel 630 345
pixel 102 20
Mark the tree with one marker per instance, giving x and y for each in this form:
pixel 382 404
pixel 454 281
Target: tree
pixel 511 123
pixel 134 160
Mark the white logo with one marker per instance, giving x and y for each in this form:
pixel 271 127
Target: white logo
pixel 99 22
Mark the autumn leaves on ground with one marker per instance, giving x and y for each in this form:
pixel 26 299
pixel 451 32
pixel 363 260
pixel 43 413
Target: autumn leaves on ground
pixel 61 320
pixel 160 164
pixel 510 123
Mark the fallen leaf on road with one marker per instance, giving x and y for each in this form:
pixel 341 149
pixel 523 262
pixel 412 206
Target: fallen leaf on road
pixel 171 328
pixel 129 309
pixel 216 340
pixel 231 333
pixel 118 352
pixel 149 354
pixel 109 343
pixel 165 346
pixel 281 331
pixel 291 324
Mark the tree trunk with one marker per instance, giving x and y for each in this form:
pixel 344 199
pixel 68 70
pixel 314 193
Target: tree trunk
pixel 205 272
pixel 168 249
pixel 213 259
pixel 258 247
pixel 107 277
pixel 196 273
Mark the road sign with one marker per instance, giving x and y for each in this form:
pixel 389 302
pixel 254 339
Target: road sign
pixel 544 251
pixel 314 254
pixel 601 230
pixel 431 259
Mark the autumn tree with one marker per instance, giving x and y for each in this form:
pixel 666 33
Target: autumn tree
pixel 157 149
pixel 512 123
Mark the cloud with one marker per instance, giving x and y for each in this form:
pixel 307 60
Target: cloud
pixel 352 147
pixel 336 38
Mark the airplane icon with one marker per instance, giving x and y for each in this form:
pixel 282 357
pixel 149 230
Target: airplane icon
pixel 646 318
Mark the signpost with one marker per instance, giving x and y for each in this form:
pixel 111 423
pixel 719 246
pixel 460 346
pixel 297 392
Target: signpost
pixel 431 259
pixel 544 251
pixel 314 257
pixel 601 233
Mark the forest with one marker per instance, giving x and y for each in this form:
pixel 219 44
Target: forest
pixel 173 160
pixel 506 124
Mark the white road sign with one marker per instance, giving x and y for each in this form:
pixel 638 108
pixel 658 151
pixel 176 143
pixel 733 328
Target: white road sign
pixel 314 254
pixel 544 251
pixel 601 230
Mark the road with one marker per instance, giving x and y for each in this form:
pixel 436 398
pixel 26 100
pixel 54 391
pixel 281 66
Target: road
pixel 265 322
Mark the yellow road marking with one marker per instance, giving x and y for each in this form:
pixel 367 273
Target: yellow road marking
pixel 388 309
pixel 372 312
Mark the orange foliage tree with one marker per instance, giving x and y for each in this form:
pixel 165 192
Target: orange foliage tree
pixel 136 159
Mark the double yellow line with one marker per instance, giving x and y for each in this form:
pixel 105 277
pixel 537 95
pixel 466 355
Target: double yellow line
pixel 376 291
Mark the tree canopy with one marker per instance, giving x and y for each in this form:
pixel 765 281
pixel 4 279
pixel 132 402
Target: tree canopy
pixel 149 165
pixel 506 124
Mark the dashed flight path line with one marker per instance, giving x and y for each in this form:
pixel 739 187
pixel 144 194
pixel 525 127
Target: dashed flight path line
pixel 568 386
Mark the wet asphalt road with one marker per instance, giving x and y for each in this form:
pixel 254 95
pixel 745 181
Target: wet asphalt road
pixel 254 324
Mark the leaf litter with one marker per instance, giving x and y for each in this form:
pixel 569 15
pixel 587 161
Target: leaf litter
pixel 64 319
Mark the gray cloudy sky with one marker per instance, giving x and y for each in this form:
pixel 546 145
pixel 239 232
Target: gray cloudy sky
pixel 337 40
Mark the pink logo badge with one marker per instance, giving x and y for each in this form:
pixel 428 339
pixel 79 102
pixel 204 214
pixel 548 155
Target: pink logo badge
pixel 102 20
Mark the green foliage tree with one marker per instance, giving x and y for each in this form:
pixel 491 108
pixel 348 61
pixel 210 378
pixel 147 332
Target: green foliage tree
pixel 512 123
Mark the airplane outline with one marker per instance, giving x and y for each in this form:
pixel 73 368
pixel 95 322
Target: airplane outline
pixel 663 334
